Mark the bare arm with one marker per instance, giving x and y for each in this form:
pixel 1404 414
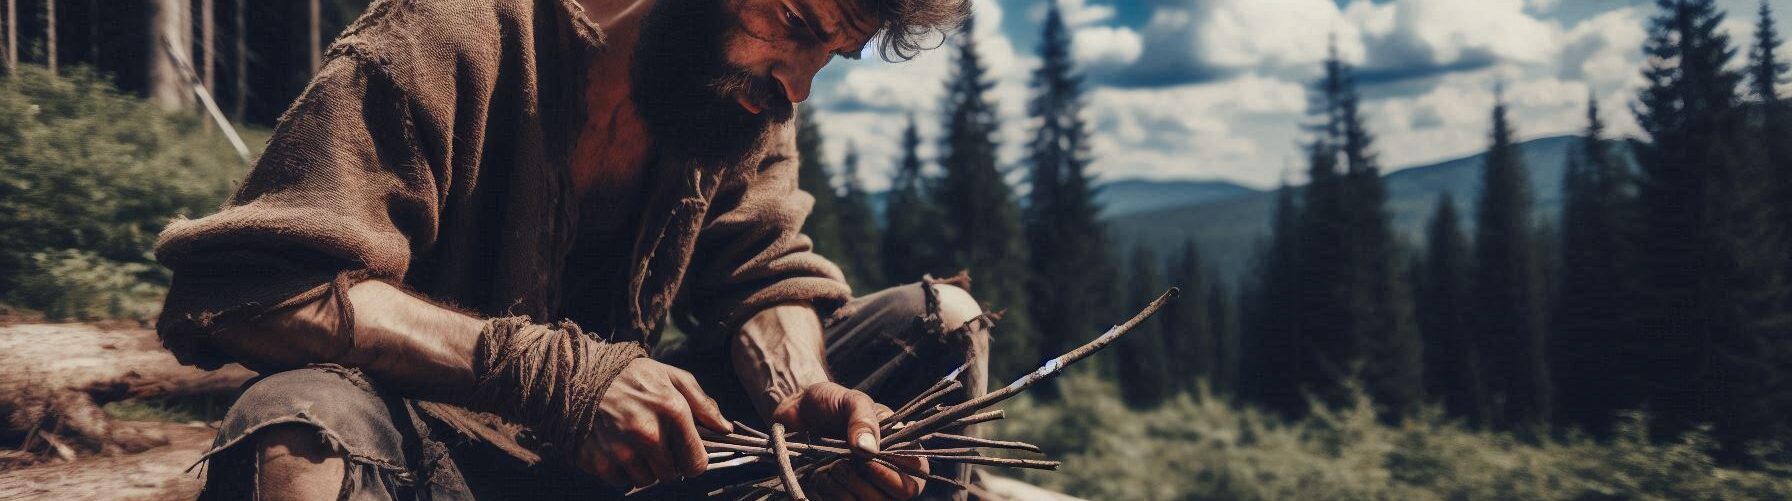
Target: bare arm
pixel 416 347
pixel 778 353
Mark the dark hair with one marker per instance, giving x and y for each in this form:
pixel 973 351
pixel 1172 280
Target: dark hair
pixel 909 25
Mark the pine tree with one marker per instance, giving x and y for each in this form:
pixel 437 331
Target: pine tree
pixel 1223 311
pixel 1453 366
pixel 914 228
pixel 982 218
pixel 1354 310
pixel 1272 358
pixel 823 224
pixel 860 242
pixel 1069 253
pixel 1711 308
pixel 1591 318
pixel 1188 323
pixel 1766 72
pixel 1143 367
pixel 1509 284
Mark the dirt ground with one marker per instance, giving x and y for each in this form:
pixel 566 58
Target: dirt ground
pixel 153 475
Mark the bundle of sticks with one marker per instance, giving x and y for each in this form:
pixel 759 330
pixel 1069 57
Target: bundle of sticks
pixel 916 429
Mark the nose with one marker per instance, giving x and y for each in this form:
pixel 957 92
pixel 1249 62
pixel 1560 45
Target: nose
pixel 796 79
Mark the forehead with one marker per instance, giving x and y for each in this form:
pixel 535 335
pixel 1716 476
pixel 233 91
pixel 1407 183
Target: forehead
pixel 853 20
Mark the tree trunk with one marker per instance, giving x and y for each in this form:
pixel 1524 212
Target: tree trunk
pixel 317 35
pixel 242 61
pixel 55 379
pixel 11 57
pixel 50 34
pixel 206 47
pixel 167 86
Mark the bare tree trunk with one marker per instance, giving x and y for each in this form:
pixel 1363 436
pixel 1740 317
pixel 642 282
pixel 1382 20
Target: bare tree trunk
pixel 11 57
pixel 242 62
pixel 167 86
pixel 317 35
pixel 50 34
pixel 206 49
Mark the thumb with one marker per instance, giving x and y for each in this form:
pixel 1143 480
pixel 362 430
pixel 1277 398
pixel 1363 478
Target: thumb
pixel 861 423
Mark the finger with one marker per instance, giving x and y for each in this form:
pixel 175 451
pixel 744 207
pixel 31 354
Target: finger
pixel 705 409
pixel 911 486
pixel 638 474
pixel 859 479
pixel 598 463
pixel 861 423
pixel 686 446
pixel 829 484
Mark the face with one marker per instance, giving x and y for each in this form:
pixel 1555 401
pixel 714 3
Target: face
pixel 711 76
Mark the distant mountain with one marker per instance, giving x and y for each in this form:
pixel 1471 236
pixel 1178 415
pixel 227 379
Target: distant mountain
pixel 1230 231
pixel 1131 196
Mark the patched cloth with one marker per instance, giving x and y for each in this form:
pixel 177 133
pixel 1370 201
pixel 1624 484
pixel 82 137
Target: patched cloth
pixel 432 149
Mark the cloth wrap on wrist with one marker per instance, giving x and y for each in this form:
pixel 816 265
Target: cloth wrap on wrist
pixel 549 378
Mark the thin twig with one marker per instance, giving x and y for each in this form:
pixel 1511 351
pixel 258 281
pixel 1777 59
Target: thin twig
pixel 783 455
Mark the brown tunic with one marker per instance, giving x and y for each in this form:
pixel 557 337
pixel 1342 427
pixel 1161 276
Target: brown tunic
pixel 432 150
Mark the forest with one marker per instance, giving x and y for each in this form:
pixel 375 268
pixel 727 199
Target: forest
pixel 1638 346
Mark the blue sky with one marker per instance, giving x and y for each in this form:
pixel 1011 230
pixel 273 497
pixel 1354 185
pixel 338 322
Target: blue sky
pixel 1216 89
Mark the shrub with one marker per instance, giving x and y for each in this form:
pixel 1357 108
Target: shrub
pixel 1200 447
pixel 88 177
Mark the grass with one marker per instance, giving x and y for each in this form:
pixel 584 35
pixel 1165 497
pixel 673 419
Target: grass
pixel 183 410
pixel 1200 447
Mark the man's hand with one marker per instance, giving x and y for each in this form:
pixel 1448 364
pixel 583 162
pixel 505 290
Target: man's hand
pixel 851 415
pixel 647 427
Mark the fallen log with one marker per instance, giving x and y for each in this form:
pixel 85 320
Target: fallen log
pixel 55 379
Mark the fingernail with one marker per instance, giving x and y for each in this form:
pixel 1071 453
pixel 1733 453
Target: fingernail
pixel 866 443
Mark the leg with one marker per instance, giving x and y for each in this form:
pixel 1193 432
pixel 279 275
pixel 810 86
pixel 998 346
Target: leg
pixel 313 434
pixel 895 343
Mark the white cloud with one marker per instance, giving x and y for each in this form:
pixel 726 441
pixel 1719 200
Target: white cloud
pixel 1103 48
pixel 1077 13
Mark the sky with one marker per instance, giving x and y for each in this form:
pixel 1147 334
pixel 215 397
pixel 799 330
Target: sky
pixel 1217 89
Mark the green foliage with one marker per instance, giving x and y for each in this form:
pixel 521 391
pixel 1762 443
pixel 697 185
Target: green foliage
pixel 1508 286
pixel 1071 269
pixel 860 238
pixel 88 177
pixel 823 224
pixel 981 215
pixel 1200 447
pixel 914 242
pixel 1591 319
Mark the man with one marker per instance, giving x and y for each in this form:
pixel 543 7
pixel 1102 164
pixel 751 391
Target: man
pixel 555 168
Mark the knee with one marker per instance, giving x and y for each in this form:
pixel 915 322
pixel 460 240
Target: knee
pixel 295 461
pixel 957 307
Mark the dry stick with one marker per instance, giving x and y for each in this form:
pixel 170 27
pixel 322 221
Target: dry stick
pixel 915 472
pixel 984 442
pixel 783 454
pixel 1036 464
pixel 1050 369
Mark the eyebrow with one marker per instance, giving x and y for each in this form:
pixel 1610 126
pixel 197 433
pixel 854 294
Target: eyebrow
pixel 825 33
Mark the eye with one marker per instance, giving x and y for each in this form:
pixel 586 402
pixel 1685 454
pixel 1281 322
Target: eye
pixel 795 21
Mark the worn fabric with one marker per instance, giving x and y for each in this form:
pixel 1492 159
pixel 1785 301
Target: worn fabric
pixel 551 377
pixel 433 148
pixel 390 453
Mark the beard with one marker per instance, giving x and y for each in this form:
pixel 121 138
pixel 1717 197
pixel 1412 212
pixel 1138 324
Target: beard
pixel 687 93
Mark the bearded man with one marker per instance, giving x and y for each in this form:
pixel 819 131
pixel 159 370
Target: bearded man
pixel 462 239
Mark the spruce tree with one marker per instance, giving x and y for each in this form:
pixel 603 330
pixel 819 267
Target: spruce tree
pixel 1188 323
pixel 1223 311
pixel 861 250
pixel 914 242
pixel 1354 309
pixel 1069 253
pixel 1453 366
pixel 1271 362
pixel 823 224
pixel 1591 331
pixel 982 218
pixel 1711 310
pixel 1143 367
pixel 1509 284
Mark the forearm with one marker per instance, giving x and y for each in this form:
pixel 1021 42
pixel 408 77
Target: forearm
pixel 777 353
pixel 415 347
